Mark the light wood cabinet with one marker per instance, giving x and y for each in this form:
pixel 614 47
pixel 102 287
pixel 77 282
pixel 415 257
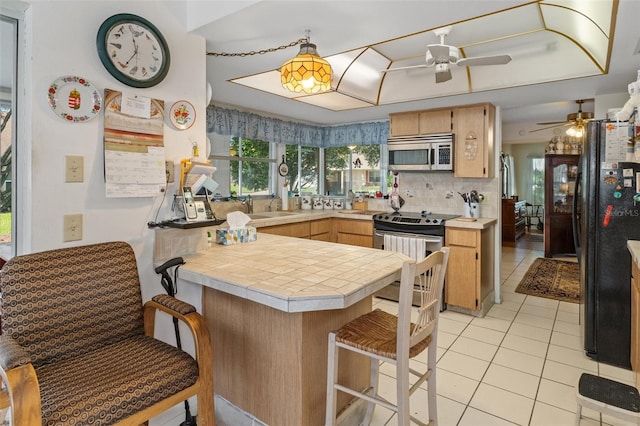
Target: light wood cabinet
pixel 635 321
pixel 421 122
pixel 320 230
pixel 473 129
pixel 354 232
pixel 298 230
pixel 469 284
pixel 404 124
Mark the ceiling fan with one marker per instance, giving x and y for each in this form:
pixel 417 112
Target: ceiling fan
pixel 442 55
pixel 576 119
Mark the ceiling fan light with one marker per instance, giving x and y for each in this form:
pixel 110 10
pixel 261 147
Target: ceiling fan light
pixel 576 131
pixel 307 72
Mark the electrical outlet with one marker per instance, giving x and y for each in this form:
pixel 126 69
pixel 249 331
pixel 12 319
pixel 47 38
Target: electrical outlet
pixel 72 227
pixel 170 170
pixel 74 168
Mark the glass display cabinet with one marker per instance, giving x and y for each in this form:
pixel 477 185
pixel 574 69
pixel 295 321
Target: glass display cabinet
pixel 560 181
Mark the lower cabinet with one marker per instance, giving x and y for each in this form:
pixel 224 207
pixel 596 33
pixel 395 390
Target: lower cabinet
pixel 469 284
pixel 320 230
pixel 298 230
pixel 354 232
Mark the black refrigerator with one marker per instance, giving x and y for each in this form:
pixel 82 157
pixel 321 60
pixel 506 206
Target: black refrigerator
pixel 608 202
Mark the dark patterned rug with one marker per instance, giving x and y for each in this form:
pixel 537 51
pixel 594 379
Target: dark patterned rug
pixel 553 279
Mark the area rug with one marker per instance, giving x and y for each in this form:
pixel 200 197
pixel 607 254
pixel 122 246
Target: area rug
pixel 553 279
pixel 535 237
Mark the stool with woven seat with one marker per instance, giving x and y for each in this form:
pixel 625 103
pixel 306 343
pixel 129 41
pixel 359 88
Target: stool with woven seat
pixel 608 397
pixel 385 337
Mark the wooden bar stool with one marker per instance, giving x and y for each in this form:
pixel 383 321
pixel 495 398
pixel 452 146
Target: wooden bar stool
pixel 385 337
pixel 608 397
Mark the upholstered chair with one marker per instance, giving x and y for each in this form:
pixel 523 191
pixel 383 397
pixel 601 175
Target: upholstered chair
pixel 77 345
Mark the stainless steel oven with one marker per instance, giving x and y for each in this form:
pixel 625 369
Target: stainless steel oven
pixel 423 225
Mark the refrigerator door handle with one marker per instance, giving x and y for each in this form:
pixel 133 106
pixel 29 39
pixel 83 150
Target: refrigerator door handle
pixel 575 220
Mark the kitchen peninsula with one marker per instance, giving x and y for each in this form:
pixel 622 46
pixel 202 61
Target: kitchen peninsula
pixel 270 305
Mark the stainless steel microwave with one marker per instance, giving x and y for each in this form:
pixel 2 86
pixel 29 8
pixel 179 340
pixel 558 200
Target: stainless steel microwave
pixel 421 153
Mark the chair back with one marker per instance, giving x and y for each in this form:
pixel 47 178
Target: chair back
pixel 427 278
pixel 61 303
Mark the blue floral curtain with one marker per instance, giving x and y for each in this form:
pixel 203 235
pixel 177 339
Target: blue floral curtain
pixel 253 126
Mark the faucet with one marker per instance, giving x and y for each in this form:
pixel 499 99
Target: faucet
pixel 272 198
pixel 248 201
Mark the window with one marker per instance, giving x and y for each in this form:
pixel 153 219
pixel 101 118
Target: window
pixel 8 59
pixel 537 181
pixel 304 168
pixel 355 167
pixel 243 165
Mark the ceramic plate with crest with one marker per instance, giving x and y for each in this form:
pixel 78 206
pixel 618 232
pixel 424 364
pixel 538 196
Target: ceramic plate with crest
pixel 74 99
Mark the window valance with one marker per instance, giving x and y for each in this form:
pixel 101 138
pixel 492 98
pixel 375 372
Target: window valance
pixel 253 126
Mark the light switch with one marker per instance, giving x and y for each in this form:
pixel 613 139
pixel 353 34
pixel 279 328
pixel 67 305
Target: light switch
pixel 72 227
pixel 74 168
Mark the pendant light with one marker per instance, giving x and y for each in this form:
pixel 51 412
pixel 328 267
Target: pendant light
pixel 307 72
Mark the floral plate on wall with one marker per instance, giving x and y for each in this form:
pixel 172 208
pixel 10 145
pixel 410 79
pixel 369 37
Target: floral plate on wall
pixel 74 99
pixel 182 115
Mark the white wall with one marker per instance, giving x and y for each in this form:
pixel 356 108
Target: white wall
pixel 61 39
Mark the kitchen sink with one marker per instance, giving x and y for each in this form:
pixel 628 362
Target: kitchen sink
pixel 268 215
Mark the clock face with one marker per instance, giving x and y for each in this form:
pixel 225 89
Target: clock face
pixel 133 50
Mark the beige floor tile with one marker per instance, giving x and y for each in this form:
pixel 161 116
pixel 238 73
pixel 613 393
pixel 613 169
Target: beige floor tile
pixel 474 348
pixel 456 316
pixel 519 361
pixel 571 357
pixel 566 340
pixel 525 345
pixel 503 404
pixel 497 311
pixel 538 311
pixel 570 317
pixel 542 302
pixel 565 327
pixel 531 332
pixel 548 415
pixel 473 417
pixel 450 326
pixel 512 380
pixel 616 373
pixel 514 297
pixel 492 323
pixel 557 394
pixel 445 339
pixel 464 365
pixel 483 334
pixel 534 320
pixel 562 373
pixel 569 307
pixel 511 305
pixel 455 386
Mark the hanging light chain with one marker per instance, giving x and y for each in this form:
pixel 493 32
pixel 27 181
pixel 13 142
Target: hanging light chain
pixel 260 52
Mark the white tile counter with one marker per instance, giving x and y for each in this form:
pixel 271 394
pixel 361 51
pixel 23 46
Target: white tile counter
pixel 270 305
pixel 294 274
pixel 480 223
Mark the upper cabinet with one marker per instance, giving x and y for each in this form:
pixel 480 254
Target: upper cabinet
pixel 421 122
pixel 473 127
pixel 473 130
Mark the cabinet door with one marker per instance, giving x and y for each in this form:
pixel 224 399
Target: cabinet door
pixel 298 230
pixel 461 281
pixel 438 121
pixel 471 139
pixel 404 124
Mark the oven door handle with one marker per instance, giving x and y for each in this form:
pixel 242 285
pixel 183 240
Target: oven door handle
pixel 427 238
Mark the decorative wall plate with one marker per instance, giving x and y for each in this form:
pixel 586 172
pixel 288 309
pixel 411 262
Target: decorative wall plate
pixel 74 99
pixel 182 115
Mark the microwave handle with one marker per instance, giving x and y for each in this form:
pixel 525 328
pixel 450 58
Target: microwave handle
pixel 432 160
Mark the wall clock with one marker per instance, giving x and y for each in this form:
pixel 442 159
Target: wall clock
pixel 133 50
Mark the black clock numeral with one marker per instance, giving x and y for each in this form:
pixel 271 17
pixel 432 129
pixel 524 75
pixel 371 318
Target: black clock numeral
pixel 116 45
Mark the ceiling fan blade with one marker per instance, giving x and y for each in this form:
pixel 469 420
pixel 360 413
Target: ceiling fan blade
pixel 550 127
pixel 564 123
pixel 440 52
pixel 403 68
pixel 484 60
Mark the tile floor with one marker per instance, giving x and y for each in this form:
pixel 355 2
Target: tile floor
pixel 517 365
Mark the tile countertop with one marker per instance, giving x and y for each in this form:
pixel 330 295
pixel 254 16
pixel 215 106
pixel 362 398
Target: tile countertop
pixel 294 274
pixel 481 223
pixel 634 249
